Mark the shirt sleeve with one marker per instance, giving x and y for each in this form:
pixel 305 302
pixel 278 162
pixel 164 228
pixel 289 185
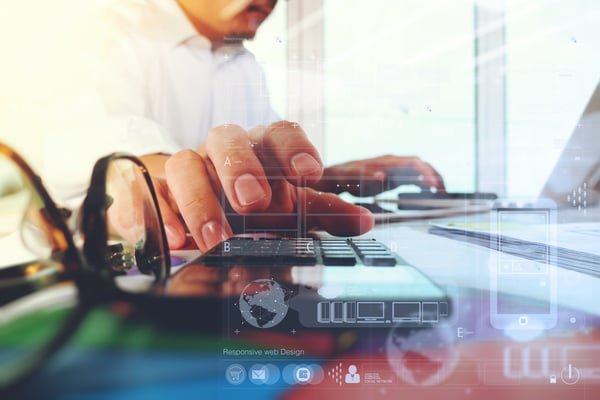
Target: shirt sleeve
pixel 101 109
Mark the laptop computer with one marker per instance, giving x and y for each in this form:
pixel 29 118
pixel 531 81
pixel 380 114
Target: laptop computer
pixel 574 182
pixel 575 179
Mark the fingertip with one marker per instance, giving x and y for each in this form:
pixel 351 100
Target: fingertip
pixel 306 166
pixel 353 221
pixel 213 233
pixel 366 220
pixel 175 236
pixel 438 185
pixel 441 184
pixel 257 133
pixel 379 175
pixel 287 144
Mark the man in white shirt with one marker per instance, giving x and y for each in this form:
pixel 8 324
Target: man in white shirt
pixel 174 75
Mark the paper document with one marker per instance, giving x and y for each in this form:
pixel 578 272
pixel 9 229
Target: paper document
pixel 574 245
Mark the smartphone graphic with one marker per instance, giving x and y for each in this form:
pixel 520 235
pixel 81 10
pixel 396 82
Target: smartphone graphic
pixel 522 274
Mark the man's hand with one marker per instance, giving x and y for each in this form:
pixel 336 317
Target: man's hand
pixel 261 173
pixel 370 176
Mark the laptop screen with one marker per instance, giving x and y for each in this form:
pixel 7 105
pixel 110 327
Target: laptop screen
pixel 575 179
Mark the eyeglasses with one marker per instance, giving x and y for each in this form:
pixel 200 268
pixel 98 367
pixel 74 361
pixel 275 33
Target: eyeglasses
pixel 119 252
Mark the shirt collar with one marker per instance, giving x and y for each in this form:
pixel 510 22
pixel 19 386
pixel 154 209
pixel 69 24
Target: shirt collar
pixel 176 28
pixel 179 30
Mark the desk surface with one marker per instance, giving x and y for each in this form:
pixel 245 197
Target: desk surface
pixel 465 356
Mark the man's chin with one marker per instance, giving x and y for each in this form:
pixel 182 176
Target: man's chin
pixel 233 39
pixel 239 37
pixel 246 28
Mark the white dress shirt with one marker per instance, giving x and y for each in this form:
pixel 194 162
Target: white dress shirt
pixel 147 83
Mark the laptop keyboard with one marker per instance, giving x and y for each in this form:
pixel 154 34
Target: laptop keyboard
pixel 301 251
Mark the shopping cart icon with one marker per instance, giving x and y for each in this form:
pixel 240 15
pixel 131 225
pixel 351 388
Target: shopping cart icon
pixel 235 374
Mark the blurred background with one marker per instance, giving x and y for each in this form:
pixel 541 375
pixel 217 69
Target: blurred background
pixel 487 91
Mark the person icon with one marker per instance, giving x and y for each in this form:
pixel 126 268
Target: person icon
pixel 352 376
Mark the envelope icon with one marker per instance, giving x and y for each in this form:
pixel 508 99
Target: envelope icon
pixel 259 374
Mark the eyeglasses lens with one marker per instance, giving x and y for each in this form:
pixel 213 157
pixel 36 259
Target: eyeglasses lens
pixel 137 253
pixel 36 293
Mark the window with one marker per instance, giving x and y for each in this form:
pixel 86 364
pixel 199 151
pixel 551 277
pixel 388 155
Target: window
pixel 487 92
pixel 270 49
pixel 552 68
pixel 398 78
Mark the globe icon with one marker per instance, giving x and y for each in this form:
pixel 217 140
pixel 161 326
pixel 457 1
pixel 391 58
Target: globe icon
pixel 422 356
pixel 262 303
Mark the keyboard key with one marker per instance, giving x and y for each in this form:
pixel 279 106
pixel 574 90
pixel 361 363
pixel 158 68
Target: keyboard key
pixel 300 251
pixel 342 260
pixel 379 260
pixel 373 253
pixel 337 252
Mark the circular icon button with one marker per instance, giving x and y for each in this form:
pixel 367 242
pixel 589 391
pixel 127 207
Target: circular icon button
pixel 259 374
pixel 303 374
pixel 570 375
pixel 235 374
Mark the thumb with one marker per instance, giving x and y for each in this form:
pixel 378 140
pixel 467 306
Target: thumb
pixel 174 228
